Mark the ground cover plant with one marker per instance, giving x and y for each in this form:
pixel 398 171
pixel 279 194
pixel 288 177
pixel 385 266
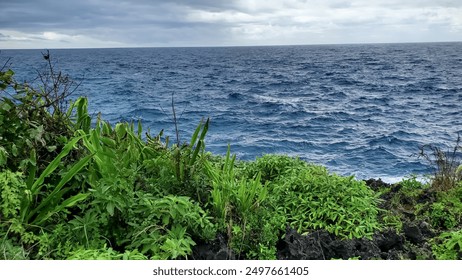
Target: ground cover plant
pixel 73 187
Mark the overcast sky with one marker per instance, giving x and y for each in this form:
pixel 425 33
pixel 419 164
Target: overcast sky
pixel 151 23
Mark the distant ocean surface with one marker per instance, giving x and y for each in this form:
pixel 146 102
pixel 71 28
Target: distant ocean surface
pixel 360 110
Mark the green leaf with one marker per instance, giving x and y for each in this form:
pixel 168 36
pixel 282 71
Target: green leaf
pixel 32 168
pixel 72 201
pixel 140 129
pixel 6 107
pixel 110 208
pixel 165 220
pixel 73 171
pixel 94 136
pixel 196 151
pixel 108 142
pixel 107 129
pixel 46 203
pixel 121 130
pixel 459 169
pixel 195 134
pixel 14 150
pixel 65 204
pixel 3 156
pixel 35 188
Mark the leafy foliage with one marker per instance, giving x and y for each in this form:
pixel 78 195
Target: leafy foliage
pixel 12 191
pixel 104 254
pixel 447 165
pixel 446 212
pixel 311 198
pixel 34 123
pixel 448 246
pixel 239 204
pixel 163 228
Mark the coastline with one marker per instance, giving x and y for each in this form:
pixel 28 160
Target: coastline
pixel 73 188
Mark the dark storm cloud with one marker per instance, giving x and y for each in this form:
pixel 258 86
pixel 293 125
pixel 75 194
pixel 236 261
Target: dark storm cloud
pixel 29 15
pixel 145 21
pixel 36 15
pixel 204 22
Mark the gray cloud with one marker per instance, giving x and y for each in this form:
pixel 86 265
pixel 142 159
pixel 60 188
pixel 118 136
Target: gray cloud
pixel 211 22
pixel 4 37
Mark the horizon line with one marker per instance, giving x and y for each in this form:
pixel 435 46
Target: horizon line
pixel 237 46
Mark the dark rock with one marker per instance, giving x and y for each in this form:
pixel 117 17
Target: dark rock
pixel 367 249
pixel 388 196
pixel 298 247
pixel 340 249
pixel 426 230
pixel 321 245
pixel 413 233
pixel 389 240
pixel 213 250
pixel 421 251
pixel 376 184
pixel 345 249
pixel 224 254
pixel 427 196
pixel 392 255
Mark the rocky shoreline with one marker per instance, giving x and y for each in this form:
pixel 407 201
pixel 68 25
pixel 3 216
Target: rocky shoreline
pixel 411 242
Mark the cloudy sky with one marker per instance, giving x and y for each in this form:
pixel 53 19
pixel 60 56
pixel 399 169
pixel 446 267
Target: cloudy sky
pixel 151 23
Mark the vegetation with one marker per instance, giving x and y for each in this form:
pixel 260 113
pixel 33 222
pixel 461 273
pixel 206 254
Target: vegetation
pixel 76 188
pixel 447 164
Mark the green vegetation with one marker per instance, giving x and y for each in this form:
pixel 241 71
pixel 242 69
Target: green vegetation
pixel 73 190
pixel 309 197
pixel 448 246
pixel 447 165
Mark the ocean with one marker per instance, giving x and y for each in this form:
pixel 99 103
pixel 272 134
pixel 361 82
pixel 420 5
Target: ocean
pixel 361 110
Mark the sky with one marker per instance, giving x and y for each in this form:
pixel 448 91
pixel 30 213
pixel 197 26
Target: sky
pixel 48 24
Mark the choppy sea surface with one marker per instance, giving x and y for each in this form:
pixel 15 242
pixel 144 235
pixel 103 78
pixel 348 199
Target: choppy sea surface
pixel 360 110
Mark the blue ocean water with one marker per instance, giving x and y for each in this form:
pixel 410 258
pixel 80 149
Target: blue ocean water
pixel 360 110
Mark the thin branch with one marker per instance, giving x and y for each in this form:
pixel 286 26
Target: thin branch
pixel 176 123
pixel 7 62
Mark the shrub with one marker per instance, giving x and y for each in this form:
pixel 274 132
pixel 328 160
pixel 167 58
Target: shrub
pixel 408 192
pixel 164 228
pixel 272 167
pixel 441 216
pixel 447 165
pixel 448 246
pixel 12 191
pixel 10 251
pixel 311 198
pixel 104 254
pixel 34 120
pixel 446 212
pixel 238 204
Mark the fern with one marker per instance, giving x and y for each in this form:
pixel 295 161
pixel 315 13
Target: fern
pixel 12 189
pixel 448 246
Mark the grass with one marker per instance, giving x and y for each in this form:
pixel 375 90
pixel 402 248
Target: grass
pixel 447 164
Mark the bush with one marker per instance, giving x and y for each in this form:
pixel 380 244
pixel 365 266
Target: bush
pixel 164 228
pixel 239 203
pixel 104 254
pixel 448 246
pixel 446 212
pixel 447 165
pixel 311 198
pixel 34 122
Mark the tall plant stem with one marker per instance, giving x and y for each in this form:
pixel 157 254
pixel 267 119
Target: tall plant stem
pixel 177 133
